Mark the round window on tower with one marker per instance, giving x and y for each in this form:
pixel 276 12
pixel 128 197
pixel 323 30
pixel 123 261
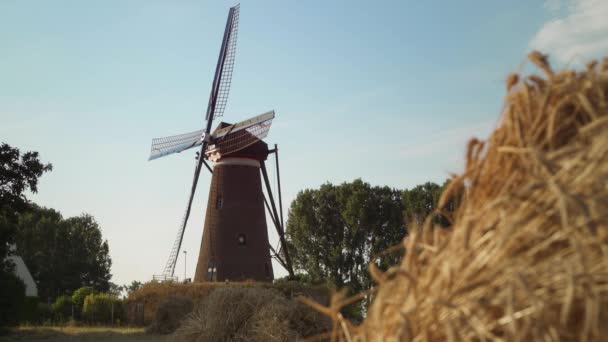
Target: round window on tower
pixel 242 241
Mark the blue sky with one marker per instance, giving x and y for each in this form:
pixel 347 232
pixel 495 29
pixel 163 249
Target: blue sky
pixel 384 91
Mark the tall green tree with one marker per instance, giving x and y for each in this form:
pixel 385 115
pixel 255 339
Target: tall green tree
pixel 63 254
pixel 421 201
pixel 336 231
pixel 19 173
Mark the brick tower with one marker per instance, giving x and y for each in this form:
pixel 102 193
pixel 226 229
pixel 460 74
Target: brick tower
pixel 235 237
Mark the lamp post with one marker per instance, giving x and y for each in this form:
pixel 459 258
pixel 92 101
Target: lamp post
pixel 185 259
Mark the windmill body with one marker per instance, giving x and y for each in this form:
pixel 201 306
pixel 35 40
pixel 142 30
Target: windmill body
pixel 235 237
pixel 235 242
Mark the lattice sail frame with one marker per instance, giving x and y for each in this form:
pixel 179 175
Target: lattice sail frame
pixel 170 265
pixel 240 135
pixel 175 144
pixel 228 68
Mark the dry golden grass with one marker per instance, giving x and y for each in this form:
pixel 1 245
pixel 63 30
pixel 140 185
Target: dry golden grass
pixel 527 255
pixel 153 294
pixel 57 333
pixel 250 314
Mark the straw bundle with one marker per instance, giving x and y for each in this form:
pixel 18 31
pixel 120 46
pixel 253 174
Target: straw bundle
pixel 527 255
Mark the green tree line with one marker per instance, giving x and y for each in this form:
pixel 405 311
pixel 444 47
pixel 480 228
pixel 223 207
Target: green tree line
pixel 63 254
pixel 335 231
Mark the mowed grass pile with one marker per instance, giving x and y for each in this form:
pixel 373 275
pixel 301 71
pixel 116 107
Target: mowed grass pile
pixel 252 313
pixel 166 305
pixel 170 313
pixel 527 255
pixel 152 294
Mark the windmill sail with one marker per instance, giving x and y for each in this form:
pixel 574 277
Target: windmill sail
pixel 174 144
pixel 240 135
pixel 226 73
pixel 217 104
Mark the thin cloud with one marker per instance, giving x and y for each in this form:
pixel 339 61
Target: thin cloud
pixel 581 32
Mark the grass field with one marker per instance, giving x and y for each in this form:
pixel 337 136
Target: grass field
pixel 52 334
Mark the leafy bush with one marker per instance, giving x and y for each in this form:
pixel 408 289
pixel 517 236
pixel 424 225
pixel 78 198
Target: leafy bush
pixel 79 295
pixel 78 299
pixel 12 296
pixel 29 310
pixel 170 313
pixel 102 308
pixel 43 313
pixel 251 314
pixel 62 308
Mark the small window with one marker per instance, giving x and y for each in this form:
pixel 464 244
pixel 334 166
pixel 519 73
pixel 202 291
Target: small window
pixel 241 239
pixel 219 204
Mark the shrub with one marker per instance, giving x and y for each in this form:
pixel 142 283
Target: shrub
pixel 29 310
pixel 250 314
pixel 62 308
pixel 170 313
pixel 12 296
pixel 102 308
pixel 43 313
pixel 78 299
pixel 79 295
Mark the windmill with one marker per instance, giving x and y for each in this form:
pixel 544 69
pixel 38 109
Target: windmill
pixel 235 238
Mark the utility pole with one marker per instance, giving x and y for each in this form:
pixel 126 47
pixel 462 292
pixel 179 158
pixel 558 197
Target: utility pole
pixel 185 259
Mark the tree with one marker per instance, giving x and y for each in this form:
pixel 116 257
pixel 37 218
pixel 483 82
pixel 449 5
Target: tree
pixel 63 255
pixel 18 174
pixel 336 231
pixel 421 201
pixel 134 286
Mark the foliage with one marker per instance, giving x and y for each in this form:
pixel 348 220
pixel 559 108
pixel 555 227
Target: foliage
pixel 19 173
pixel 62 308
pixel 79 295
pixel 102 307
pixel 12 297
pixel 43 313
pixel 134 286
pixel 29 310
pixel 63 254
pixel 336 231
pixel 421 201
pixel 8 227
pixel 115 289
pixel 237 313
